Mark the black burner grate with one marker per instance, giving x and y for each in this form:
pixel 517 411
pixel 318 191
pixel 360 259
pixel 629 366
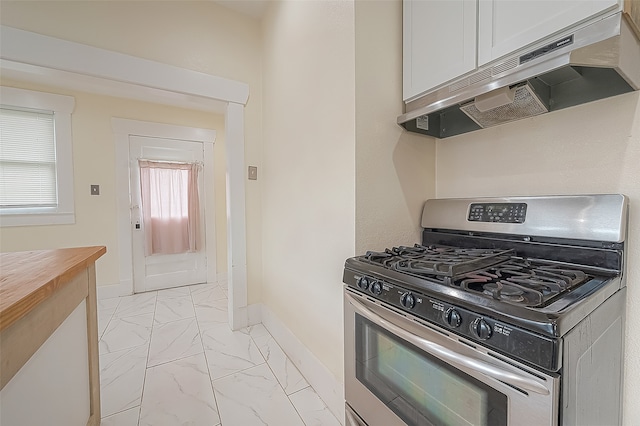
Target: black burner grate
pixel 428 261
pixel 523 281
pixel 496 274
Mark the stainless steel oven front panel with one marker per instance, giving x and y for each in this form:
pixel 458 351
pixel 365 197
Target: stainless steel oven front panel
pixel 530 397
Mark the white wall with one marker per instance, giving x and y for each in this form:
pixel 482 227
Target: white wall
pixel 592 148
pixel 395 170
pixel 308 177
pixel 332 189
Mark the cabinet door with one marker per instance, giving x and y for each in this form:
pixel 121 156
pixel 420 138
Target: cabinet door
pixel 505 26
pixel 439 43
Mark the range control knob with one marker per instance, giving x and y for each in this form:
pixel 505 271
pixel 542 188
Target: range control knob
pixel 408 300
pixel 481 329
pixel 452 318
pixel 376 288
pixel 363 283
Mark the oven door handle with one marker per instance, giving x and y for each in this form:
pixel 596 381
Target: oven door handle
pixel 449 355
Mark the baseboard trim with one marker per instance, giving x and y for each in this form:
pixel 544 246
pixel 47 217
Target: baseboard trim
pixel 319 377
pixel 239 319
pixel 114 290
pixel 254 313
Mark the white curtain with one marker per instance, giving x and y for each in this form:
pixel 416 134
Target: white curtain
pixel 170 206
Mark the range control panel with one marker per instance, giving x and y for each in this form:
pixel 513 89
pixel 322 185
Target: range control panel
pixel 509 339
pixel 498 212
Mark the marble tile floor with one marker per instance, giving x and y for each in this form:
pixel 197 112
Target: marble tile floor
pixel 168 358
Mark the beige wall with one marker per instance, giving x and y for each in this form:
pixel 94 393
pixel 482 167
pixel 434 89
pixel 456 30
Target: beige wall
pixel 593 148
pixel 395 170
pixel 308 161
pixel 331 189
pixel 196 35
pixel 94 163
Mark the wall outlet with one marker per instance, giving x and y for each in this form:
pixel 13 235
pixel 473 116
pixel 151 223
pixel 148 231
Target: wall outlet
pixel 95 189
pixel 253 173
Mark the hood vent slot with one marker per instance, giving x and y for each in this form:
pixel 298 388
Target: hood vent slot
pixel 479 76
pixel 510 104
pixel 459 85
pixel 505 66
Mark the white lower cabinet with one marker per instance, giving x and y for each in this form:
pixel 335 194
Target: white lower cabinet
pixel 52 388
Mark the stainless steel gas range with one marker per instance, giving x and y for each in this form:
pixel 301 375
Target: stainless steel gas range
pixel 511 311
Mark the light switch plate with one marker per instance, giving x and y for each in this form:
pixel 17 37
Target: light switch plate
pixel 253 173
pixel 95 189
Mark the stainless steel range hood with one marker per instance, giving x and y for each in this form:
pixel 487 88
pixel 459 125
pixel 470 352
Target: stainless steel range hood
pixel 594 62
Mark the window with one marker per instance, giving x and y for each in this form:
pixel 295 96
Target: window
pixel 170 206
pixel 36 167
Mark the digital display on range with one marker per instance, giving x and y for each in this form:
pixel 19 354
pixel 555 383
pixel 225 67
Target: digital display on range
pixel 498 212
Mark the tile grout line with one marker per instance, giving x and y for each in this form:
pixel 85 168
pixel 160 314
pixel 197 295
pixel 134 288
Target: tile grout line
pixel 181 356
pixel 123 349
pixel 299 390
pixel 295 407
pixel 109 321
pixel 206 361
pixel 146 366
pixel 119 412
pixel 277 380
pixel 105 327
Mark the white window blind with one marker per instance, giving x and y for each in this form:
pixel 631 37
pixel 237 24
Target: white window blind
pixel 27 158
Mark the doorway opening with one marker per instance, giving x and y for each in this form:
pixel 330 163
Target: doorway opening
pixel 185 251
pixel 27 56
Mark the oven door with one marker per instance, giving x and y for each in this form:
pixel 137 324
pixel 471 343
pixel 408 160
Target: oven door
pixel 401 371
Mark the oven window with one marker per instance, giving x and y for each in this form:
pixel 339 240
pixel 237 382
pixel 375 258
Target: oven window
pixel 419 388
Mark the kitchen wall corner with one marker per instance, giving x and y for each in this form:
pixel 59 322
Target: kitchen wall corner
pixel 395 170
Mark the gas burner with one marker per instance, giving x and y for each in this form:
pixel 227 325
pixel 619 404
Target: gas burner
pixel 378 256
pixel 523 281
pixel 504 291
pixel 416 251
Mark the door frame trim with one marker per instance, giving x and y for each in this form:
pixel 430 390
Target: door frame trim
pixel 33 57
pixel 122 130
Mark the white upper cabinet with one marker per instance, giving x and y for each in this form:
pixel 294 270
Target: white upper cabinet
pixel 508 25
pixel 439 43
pixel 445 39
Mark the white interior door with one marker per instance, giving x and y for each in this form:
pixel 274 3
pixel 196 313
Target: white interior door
pixel 160 271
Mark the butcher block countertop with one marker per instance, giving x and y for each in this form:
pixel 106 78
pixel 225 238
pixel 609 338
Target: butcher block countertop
pixel 29 278
pixel 48 308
